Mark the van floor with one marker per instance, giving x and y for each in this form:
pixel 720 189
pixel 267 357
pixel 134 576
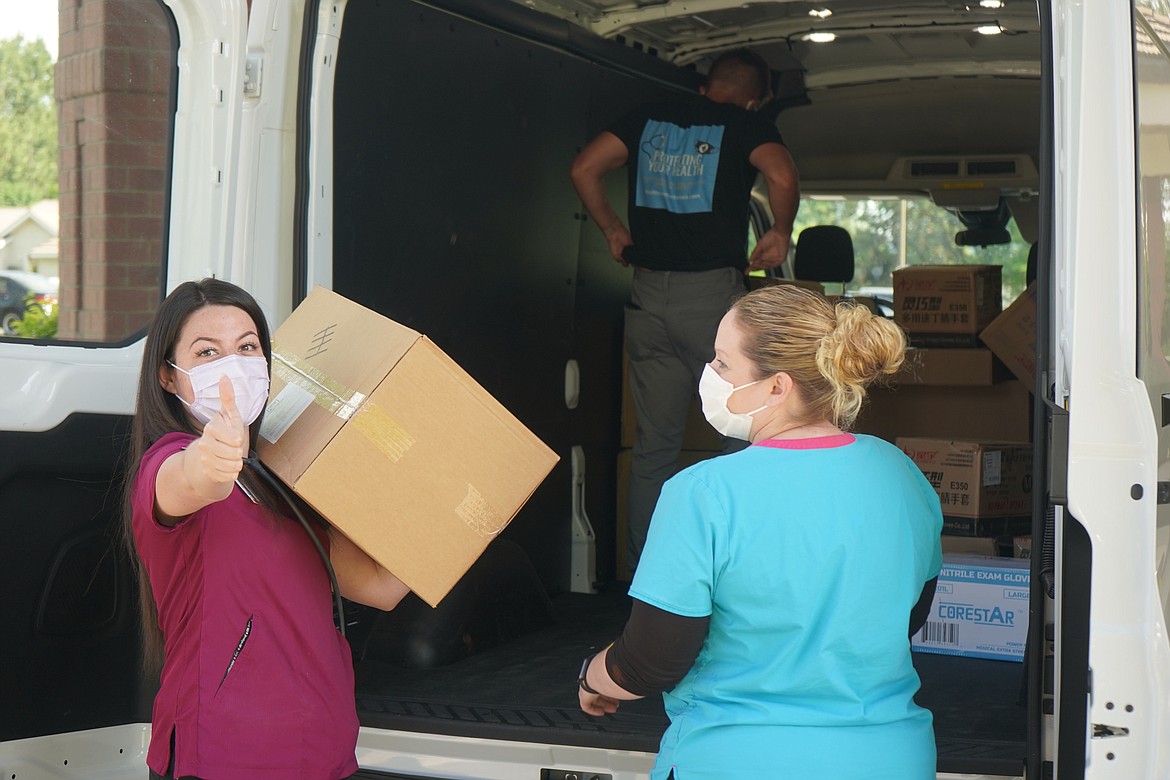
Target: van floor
pixel 526 690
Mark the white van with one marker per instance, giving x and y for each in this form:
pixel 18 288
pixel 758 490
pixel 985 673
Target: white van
pixel 414 156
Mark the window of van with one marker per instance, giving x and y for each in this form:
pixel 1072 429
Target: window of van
pixel 889 232
pixel 1152 34
pixel 87 231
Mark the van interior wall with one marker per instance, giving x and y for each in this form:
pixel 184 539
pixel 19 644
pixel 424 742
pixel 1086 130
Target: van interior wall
pixel 68 604
pixel 454 215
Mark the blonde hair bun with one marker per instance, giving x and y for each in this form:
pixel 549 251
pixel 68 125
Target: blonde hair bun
pixel 832 352
pixel 862 347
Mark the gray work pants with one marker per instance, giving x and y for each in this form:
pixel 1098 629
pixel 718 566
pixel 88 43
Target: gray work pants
pixel 670 335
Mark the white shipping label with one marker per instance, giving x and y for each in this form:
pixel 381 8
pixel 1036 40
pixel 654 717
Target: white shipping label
pixel 283 411
pixel 992 468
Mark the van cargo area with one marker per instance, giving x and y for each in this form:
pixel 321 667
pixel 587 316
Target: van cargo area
pixel 524 690
pixel 512 252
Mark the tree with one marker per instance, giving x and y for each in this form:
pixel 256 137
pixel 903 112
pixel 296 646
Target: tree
pixel 28 123
pixel 39 321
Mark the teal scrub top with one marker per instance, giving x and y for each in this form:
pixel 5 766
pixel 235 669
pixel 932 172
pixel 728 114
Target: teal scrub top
pixel 808 556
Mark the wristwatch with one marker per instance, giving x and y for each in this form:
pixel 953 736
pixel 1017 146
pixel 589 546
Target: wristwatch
pixel 581 681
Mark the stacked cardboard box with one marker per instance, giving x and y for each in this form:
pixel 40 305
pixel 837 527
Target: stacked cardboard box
pixel 980 609
pixel 956 400
pixel 946 305
pixel 985 489
pixel 992 412
pixel 950 386
pixel 1003 546
pixel 952 367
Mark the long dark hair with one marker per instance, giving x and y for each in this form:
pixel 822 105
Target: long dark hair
pixel 158 412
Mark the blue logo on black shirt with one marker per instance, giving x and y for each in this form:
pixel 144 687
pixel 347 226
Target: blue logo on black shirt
pixel 677 166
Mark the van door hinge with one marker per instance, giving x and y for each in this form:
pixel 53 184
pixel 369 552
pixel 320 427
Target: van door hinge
pixel 1164 492
pixel 253 70
pixel 1058 456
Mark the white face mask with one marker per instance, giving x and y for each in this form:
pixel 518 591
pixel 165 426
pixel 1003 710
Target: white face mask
pixel 249 377
pixel 714 391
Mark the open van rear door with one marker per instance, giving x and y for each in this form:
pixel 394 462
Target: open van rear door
pixel 149 140
pixel 1111 373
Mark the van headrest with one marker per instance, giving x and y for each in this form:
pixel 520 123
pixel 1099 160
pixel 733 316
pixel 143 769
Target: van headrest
pixel 824 253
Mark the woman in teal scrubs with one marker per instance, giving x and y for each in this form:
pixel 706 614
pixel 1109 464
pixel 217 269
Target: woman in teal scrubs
pixel 780 585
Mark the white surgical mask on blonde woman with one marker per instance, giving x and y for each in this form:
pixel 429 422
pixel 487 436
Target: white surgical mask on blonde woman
pixel 714 392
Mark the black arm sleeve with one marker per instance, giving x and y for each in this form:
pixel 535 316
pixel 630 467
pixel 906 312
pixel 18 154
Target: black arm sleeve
pixel 656 649
pixel 921 610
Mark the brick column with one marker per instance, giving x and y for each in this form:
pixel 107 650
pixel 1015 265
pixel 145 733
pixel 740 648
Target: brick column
pixel 113 82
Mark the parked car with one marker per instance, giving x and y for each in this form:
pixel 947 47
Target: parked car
pixel 15 287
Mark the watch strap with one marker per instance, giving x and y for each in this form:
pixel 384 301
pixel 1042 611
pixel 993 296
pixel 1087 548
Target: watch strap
pixel 581 676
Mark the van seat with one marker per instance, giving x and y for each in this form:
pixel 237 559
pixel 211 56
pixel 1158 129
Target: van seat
pixel 824 253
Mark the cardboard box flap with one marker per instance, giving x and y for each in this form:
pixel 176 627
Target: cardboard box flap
pixel 1012 336
pixel 325 319
pixel 399 440
pixel 324 385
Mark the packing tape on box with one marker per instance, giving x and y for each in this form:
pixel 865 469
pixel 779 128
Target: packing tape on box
pixel 478 514
pixel 366 417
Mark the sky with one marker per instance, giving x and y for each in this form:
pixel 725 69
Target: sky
pixel 31 18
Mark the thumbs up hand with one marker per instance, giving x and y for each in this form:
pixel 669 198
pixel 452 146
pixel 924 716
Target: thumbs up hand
pixel 215 459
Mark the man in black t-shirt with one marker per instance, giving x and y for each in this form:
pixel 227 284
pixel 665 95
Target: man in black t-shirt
pixel 691 168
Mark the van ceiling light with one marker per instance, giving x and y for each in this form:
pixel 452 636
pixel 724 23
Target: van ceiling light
pixel 823 35
pixel 820 13
pixel 991 3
